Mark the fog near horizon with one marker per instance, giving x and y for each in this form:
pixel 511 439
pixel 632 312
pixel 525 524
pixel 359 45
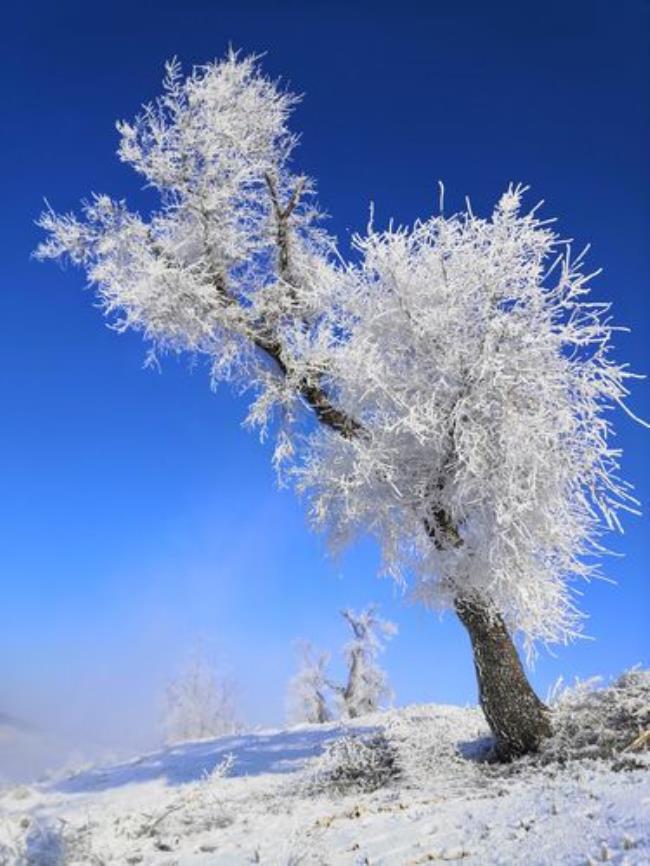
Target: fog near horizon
pixel 76 701
pixel 97 712
pixel 80 715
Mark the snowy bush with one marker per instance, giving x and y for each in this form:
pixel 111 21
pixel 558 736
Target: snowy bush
pixel 356 764
pixel 591 722
pixel 366 685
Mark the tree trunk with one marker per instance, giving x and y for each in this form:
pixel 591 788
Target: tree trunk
pixel 351 691
pixel 517 717
pixel 322 714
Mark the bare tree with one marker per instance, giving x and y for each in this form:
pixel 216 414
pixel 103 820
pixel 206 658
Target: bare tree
pixel 307 693
pixel 462 379
pixel 199 703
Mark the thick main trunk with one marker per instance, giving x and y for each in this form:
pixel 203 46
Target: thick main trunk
pixel 517 717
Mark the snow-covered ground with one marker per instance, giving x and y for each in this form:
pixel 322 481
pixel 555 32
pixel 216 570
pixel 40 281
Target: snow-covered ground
pixel 284 798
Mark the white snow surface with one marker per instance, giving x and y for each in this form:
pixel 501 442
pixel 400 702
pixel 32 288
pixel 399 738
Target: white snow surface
pixel 263 798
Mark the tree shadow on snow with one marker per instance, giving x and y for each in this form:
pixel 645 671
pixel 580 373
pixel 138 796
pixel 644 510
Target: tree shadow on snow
pixel 254 754
pixel 481 750
pixel 44 846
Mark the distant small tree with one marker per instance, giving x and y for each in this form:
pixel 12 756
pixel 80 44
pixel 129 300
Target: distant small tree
pixel 307 693
pixel 367 684
pixel 199 703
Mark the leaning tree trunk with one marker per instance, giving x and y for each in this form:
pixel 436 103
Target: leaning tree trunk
pixel 517 717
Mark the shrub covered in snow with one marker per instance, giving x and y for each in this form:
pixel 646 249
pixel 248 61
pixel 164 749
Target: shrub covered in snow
pixel 366 687
pixel 592 722
pixel 356 764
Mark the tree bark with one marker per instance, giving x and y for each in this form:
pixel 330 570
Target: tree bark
pixel 516 716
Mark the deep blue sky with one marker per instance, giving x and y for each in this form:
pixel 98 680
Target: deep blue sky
pixel 136 513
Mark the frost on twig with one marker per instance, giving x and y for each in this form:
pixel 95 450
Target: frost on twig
pixel 595 721
pixel 355 764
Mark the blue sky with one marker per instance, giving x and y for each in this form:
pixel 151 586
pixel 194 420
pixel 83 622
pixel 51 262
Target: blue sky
pixel 137 515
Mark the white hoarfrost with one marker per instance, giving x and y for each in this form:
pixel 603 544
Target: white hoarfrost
pixel 463 375
pixel 402 788
pixel 367 686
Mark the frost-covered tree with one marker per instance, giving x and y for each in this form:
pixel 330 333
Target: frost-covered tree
pixel 367 684
pixel 200 702
pixel 307 692
pixel 462 377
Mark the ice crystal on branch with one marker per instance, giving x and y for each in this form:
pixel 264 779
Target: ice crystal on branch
pixel 461 375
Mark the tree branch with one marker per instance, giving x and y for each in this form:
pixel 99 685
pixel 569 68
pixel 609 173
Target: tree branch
pixel 314 396
pixel 441 529
pixel 282 215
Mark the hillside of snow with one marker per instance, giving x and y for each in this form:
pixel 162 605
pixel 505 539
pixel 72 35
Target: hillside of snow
pixel 400 788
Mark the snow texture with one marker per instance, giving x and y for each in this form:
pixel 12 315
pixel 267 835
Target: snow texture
pixel 400 788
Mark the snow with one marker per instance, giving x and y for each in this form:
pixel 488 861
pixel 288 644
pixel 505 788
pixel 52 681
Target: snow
pixel 261 798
